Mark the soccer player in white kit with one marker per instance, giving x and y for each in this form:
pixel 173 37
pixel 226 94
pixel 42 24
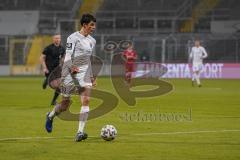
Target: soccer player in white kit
pixel 198 53
pixel 77 74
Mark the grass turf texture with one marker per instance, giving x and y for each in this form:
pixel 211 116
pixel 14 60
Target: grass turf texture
pixel 215 108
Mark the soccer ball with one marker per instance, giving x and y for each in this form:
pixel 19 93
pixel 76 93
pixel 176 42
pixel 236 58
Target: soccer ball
pixel 108 132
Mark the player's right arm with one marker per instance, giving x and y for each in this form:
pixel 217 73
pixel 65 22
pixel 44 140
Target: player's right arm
pixel 71 43
pixel 190 59
pixel 43 61
pixel 191 54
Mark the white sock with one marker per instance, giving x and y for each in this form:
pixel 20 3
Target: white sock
pixel 53 113
pixel 83 118
pixel 194 76
pixel 198 78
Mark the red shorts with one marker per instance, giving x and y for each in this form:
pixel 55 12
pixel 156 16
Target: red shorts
pixel 130 67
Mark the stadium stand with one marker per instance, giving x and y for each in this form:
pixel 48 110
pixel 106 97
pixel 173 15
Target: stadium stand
pixel 164 29
pixel 150 22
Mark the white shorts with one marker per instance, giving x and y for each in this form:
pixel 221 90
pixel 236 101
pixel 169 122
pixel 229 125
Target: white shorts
pixel 197 67
pixel 73 84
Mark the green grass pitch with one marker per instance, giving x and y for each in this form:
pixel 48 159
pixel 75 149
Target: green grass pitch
pixel 213 132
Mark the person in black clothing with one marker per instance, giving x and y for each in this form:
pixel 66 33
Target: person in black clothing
pixel 51 58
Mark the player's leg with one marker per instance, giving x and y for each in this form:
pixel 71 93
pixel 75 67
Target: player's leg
pixel 44 86
pixel 58 109
pixel 198 78
pixel 55 83
pixel 85 98
pixel 129 70
pixel 45 81
pixel 126 72
pixel 66 90
pixel 194 75
pixel 193 78
pixel 198 72
pixel 55 96
pixel 128 77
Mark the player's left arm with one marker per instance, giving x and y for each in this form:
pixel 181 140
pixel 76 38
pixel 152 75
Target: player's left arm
pixel 204 53
pixel 135 55
pixel 124 55
pixel 93 77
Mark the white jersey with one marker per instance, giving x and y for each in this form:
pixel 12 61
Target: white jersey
pixel 79 46
pixel 79 50
pixel 198 54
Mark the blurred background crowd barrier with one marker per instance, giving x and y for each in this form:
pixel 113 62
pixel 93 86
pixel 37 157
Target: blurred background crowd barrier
pixel 162 31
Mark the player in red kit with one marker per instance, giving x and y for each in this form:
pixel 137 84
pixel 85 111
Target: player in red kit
pixel 131 56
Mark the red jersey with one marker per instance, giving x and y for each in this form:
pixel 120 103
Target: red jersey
pixel 130 55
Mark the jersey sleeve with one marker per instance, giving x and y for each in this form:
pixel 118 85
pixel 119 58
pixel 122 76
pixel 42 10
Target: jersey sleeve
pixel 204 53
pixel 71 42
pixel 135 55
pixel 45 51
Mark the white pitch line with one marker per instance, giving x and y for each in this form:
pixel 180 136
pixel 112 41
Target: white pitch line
pixel 189 132
pixel 25 138
pixel 30 138
pixel 136 134
pixel 212 88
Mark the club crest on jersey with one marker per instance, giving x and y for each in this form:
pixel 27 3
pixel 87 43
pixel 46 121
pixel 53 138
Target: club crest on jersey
pixel 69 46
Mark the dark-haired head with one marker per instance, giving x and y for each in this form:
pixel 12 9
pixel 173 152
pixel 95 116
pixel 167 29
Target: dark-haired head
pixel 56 39
pixel 87 18
pixel 88 23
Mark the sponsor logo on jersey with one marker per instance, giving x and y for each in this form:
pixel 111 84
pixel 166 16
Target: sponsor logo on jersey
pixel 69 46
